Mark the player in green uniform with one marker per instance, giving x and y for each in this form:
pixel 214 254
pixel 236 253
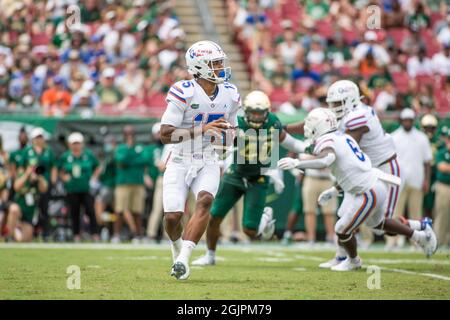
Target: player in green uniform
pixel 40 154
pixel 28 185
pixel 258 135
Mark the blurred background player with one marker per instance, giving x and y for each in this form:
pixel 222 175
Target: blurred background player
pixel 40 154
pixel 131 163
pixel 79 168
pixel 365 188
pixel 246 176
pixel 415 157
pixel 198 112
pixel 156 168
pixel 442 212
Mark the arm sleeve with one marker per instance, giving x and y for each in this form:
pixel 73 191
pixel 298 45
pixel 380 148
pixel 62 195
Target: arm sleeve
pixel 173 115
pixel 318 163
pixel 293 144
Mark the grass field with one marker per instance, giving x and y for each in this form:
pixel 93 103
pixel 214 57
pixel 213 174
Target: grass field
pixel 247 272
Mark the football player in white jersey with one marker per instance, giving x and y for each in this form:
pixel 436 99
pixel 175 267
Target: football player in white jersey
pixel 361 122
pixel 365 188
pixel 198 111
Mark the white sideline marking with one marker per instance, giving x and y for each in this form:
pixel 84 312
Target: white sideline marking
pixel 93 267
pixel 269 259
pixel 410 261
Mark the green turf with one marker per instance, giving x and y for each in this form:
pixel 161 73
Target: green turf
pixel 260 273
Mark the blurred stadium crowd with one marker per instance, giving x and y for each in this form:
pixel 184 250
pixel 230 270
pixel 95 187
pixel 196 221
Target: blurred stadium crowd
pixel 398 51
pixel 123 57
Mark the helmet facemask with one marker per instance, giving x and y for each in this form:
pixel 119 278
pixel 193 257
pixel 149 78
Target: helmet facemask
pixel 219 70
pixel 256 117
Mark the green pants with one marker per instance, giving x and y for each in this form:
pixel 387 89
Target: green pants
pixel 232 187
pixel 27 210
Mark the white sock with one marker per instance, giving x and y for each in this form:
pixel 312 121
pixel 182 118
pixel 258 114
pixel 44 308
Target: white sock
pixel 175 246
pixel 211 253
pixel 340 252
pixel 414 224
pixel 287 234
pixel 186 251
pixel 417 236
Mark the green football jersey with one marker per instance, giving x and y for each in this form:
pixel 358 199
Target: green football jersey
pixel 255 148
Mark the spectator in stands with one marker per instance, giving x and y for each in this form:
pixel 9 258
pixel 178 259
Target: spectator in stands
pixel 370 46
pixel 414 153
pixel 442 211
pixel 419 18
pixel 131 161
pixel 441 61
pixel 395 18
pixel 317 9
pixel 337 51
pixel 131 81
pixel 23 78
pixel 74 66
pixel 41 155
pixel 85 97
pixel 4 95
pixel 107 91
pixel 419 64
pixel 56 99
pixel 344 13
pixel 385 100
pixel 79 169
pixel 316 53
pixel 289 49
pixel 303 77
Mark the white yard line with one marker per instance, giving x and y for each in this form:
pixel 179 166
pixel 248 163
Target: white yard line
pixel 431 275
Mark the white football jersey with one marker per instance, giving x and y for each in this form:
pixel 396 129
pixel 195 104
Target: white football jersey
pixel 352 167
pixel 189 106
pixel 376 143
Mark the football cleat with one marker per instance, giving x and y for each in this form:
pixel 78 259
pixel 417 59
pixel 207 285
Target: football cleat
pixel 180 270
pixel 205 260
pixel 428 243
pixel 331 263
pixel 348 265
pixel 266 227
pixel 424 222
